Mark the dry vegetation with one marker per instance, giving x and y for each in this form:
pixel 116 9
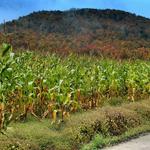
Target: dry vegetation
pixel 111 123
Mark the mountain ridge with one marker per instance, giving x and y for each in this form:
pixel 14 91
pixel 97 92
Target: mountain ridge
pixel 82 30
pixel 77 19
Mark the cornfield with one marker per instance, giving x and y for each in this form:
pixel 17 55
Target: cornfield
pixel 54 86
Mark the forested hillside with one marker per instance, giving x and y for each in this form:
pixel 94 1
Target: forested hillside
pixel 107 33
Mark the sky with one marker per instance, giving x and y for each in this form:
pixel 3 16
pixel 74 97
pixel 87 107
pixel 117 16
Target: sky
pixel 12 9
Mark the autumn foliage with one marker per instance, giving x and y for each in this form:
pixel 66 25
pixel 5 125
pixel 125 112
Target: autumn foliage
pixel 106 33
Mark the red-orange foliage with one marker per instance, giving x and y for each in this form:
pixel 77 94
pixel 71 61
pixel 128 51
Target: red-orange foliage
pixel 81 44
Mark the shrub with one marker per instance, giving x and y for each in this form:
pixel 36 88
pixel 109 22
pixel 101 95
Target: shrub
pixel 120 119
pixel 107 121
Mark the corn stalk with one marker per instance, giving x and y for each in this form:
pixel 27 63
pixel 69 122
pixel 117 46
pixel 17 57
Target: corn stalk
pixel 6 59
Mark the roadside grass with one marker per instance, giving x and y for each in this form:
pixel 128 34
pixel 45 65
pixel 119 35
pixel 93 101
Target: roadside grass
pixel 143 108
pixel 87 130
pixel 35 135
pixel 100 141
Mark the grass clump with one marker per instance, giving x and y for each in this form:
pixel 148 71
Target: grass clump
pixel 107 121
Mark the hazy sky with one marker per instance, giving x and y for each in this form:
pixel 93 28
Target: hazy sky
pixel 12 9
